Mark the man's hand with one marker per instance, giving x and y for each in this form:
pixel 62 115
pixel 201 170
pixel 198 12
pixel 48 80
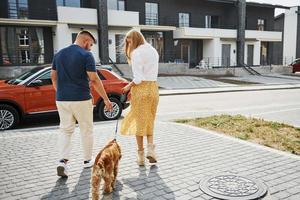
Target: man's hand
pixel 108 105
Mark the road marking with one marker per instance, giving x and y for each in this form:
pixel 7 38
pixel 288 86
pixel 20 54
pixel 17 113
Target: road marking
pixel 270 112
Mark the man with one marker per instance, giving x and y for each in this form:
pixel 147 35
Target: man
pixel 73 67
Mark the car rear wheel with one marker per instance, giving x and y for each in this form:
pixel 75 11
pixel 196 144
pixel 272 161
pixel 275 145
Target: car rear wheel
pixel 116 112
pixel 9 117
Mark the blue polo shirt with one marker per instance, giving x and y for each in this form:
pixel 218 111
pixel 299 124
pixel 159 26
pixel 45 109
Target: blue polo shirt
pixel 71 65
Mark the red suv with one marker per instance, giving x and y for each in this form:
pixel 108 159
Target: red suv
pixel 296 65
pixel 33 93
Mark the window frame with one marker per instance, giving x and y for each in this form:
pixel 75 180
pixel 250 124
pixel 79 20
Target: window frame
pixel 184 24
pixel 261 24
pixel 153 20
pixel 15 6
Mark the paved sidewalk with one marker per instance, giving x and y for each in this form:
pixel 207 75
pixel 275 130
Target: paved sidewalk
pixel 186 155
pixel 272 79
pixel 194 82
pixel 189 82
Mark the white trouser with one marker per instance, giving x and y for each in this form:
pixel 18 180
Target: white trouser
pixel 69 113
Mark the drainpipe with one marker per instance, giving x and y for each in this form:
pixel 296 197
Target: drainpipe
pixel 241 4
pixel 103 31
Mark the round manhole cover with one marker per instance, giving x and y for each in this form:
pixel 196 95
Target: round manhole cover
pixel 233 187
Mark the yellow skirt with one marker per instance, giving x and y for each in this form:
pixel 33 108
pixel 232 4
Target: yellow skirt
pixel 140 119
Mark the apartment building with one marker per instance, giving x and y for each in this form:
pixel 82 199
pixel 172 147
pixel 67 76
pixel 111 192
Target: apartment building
pixel 190 31
pixel 289 24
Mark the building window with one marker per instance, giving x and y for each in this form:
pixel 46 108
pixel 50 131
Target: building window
pixel 116 4
pixel 24 56
pixel 184 19
pixel 24 38
pixel 68 3
pixel 261 24
pixel 211 21
pixel 18 9
pixel 151 13
pixel 22 45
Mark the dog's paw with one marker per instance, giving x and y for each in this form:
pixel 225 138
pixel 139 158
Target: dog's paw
pixel 108 190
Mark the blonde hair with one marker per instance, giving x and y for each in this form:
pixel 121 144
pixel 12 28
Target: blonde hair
pixel 137 40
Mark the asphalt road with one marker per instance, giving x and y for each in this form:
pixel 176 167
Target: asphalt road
pixel 274 105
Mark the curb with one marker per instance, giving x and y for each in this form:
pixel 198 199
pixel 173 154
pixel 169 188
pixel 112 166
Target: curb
pixel 205 91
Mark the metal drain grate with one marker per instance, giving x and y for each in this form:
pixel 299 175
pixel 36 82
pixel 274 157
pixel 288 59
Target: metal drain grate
pixel 233 187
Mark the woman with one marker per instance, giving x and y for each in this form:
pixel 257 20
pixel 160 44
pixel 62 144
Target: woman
pixel 143 59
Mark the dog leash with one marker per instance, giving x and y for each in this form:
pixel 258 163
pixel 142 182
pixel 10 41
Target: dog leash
pixel 116 131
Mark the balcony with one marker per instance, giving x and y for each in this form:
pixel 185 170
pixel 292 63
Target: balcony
pixel 210 33
pixel 123 18
pixel 203 33
pixel 266 36
pixel 72 15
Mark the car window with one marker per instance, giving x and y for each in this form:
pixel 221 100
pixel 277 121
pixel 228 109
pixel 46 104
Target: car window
pixel 101 76
pixel 46 78
pixel 24 76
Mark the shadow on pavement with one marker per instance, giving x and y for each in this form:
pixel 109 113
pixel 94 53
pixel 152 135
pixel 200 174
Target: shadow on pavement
pixel 153 183
pixel 81 189
pixel 113 196
pixel 60 188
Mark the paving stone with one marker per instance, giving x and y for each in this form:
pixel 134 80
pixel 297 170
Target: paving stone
pixel 200 154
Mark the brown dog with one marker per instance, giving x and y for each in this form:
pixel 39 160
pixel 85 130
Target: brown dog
pixel 106 167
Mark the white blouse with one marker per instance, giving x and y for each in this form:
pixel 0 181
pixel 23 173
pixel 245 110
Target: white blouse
pixel 144 63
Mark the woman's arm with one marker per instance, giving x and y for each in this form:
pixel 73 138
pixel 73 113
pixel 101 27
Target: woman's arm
pixel 137 70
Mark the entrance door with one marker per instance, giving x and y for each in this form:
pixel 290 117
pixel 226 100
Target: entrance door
pixel 264 53
pixel 250 51
pixel 226 48
pixel 185 53
pixel 156 39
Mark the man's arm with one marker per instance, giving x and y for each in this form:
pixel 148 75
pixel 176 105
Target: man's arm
pixel 54 78
pixel 96 82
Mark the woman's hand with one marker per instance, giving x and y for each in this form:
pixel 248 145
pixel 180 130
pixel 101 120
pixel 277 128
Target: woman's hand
pixel 127 88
